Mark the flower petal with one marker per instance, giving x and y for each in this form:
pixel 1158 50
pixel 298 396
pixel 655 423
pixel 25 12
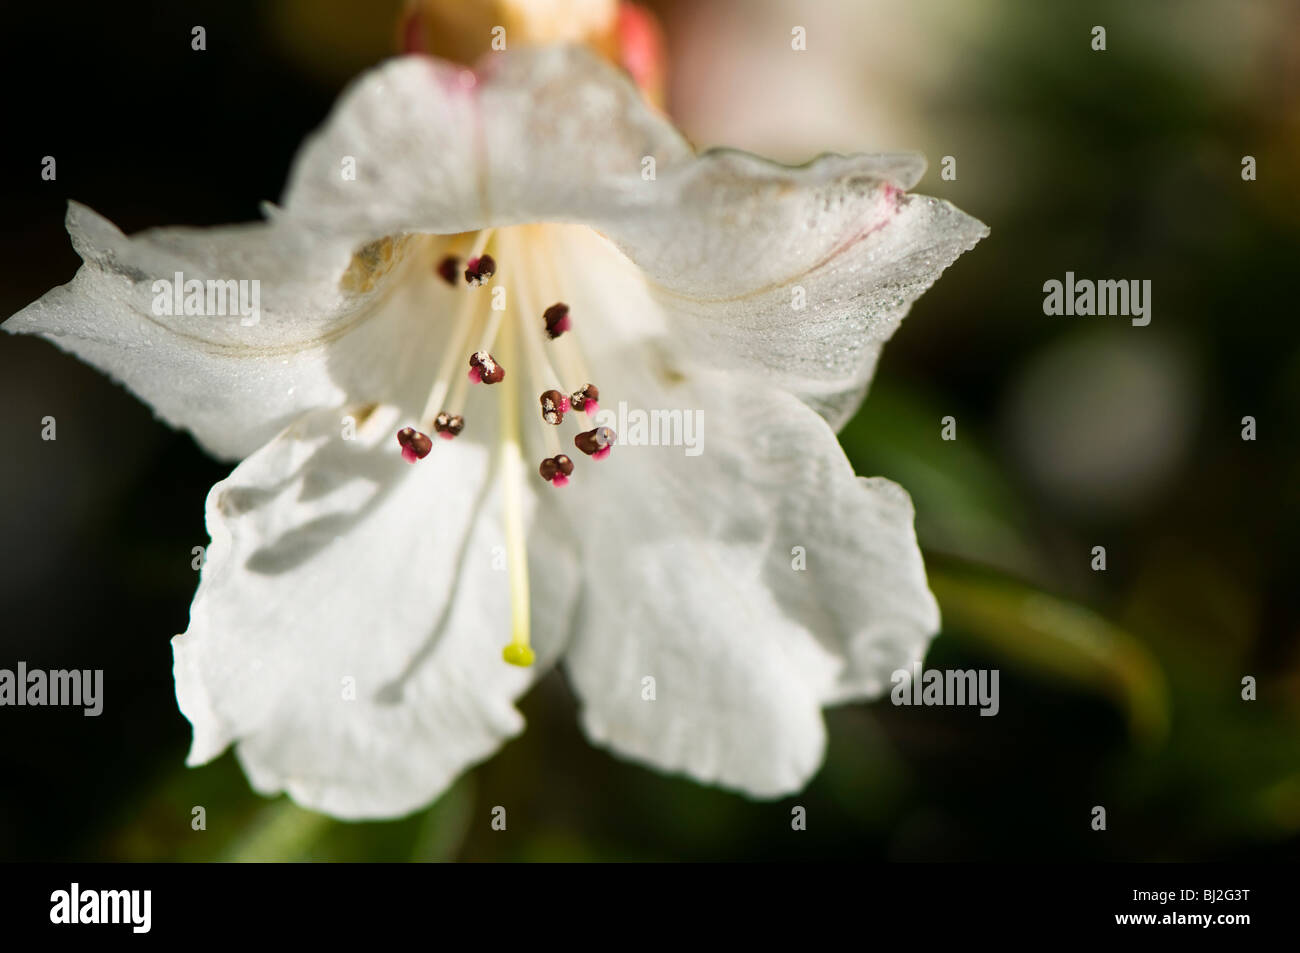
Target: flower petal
pixel 696 580
pixel 535 135
pixel 732 245
pixel 799 274
pixel 329 325
pixel 336 567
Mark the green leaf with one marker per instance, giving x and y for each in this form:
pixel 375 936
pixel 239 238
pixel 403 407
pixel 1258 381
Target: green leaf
pixel 1051 636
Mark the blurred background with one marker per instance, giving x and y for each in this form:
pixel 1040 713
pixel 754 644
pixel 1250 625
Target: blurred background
pixel 1119 688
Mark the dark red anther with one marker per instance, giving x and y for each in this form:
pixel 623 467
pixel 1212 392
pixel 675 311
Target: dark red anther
pixel 447 426
pixel 556 470
pixel 585 399
pixel 448 268
pixel 479 270
pixel 554 406
pixel 415 445
pixel 557 320
pixel 596 443
pixel 483 368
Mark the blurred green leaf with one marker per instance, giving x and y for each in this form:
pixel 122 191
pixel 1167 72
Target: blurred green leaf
pixel 1051 636
pixel 282 831
pixel 964 506
pixel 241 826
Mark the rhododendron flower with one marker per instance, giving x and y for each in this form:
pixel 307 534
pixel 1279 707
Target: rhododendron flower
pixel 432 508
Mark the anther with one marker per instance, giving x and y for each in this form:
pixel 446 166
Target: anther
pixel 448 269
pixel 484 369
pixel 415 445
pixel 480 269
pixel 557 320
pixel 447 426
pixel 585 399
pixel 554 406
pixel 596 443
pixel 556 470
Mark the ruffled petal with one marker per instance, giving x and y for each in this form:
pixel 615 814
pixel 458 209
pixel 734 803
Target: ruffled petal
pixel 796 273
pixel 754 579
pixel 538 134
pixel 334 322
pixel 348 626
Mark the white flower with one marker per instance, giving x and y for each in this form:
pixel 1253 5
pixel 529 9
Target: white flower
pixel 348 630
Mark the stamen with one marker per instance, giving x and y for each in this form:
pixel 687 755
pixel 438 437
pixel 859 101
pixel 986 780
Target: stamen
pixel 568 352
pixel 596 443
pixel 461 328
pixel 554 406
pixel 448 426
pixel 448 269
pixel 556 470
pixel 519 651
pixel 557 320
pixel 484 369
pixel 586 399
pixel 415 445
pixel 479 269
pixel 460 388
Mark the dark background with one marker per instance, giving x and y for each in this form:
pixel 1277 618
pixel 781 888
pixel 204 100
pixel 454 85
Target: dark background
pixel 1073 432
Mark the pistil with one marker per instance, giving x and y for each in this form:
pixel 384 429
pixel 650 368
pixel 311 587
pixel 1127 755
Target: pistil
pixel 519 651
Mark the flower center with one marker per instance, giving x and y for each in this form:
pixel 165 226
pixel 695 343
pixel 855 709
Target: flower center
pixel 514 302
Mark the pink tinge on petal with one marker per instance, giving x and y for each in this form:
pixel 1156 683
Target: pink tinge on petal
pixel 409 455
pixel 563 324
pixel 559 480
pixel 412 32
pixel 601 454
pixel 564 405
pixel 641 46
pixel 476 375
pixel 446 435
pixel 590 406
